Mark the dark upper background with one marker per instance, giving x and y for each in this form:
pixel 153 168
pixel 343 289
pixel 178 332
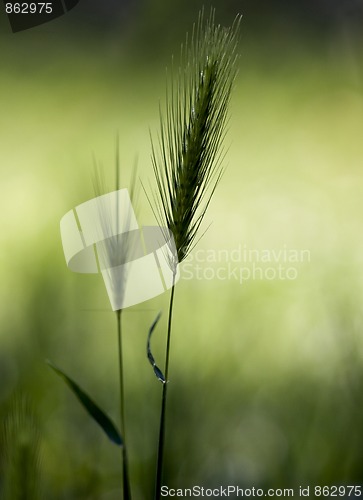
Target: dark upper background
pixel 155 25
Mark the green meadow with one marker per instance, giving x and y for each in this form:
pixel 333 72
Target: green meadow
pixel 266 371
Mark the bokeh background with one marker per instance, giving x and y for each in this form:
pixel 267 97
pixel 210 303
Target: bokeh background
pixel 266 376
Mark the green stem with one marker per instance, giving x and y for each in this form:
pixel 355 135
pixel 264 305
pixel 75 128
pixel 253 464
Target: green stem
pixel 159 468
pixel 125 468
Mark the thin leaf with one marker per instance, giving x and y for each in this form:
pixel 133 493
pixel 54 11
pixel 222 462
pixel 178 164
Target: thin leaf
pixel 159 374
pixel 94 411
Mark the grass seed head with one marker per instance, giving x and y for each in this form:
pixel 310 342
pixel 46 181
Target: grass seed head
pixel 188 160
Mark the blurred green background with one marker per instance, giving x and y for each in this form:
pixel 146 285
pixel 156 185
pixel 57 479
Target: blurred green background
pixel 267 375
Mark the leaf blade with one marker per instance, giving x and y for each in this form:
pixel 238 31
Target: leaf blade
pixel 90 406
pixel 158 373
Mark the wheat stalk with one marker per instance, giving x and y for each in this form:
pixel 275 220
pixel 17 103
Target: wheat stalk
pixel 187 160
